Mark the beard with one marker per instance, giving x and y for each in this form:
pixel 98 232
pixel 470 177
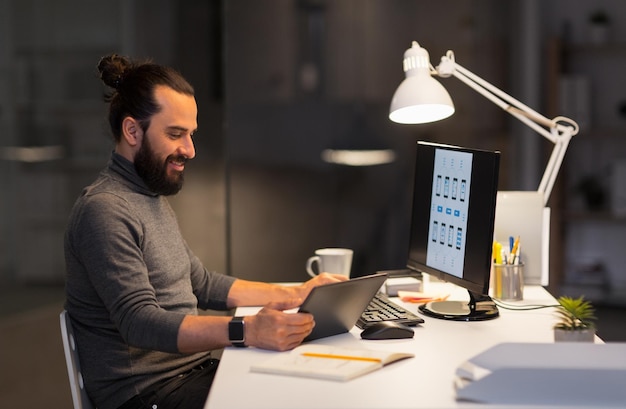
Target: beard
pixel 153 171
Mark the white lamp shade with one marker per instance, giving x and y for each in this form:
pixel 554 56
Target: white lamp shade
pixel 420 99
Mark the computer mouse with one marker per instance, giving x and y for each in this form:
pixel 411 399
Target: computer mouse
pixel 387 330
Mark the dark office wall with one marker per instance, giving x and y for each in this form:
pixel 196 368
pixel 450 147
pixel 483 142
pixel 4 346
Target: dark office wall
pixel 304 76
pixel 50 96
pixel 277 82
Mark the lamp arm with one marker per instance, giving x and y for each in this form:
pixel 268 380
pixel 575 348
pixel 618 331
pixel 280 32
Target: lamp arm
pixel 554 164
pixel 560 129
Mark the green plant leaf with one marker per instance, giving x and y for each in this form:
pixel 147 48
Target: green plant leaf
pixel 575 313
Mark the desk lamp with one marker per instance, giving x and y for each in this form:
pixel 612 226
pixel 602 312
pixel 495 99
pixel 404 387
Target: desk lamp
pixel 420 98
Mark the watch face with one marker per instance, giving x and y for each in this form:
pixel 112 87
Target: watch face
pixel 236 331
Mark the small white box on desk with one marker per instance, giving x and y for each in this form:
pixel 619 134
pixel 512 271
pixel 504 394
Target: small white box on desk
pixel 395 284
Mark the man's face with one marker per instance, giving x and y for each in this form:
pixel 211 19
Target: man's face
pixel 167 144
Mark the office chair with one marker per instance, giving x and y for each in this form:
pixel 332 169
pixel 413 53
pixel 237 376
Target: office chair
pixel 79 395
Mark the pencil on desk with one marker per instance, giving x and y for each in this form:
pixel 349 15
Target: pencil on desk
pixel 345 357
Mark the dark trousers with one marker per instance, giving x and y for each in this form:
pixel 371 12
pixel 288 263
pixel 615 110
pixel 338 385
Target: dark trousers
pixel 185 391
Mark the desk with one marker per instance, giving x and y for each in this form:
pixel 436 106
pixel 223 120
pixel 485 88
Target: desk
pixel 427 380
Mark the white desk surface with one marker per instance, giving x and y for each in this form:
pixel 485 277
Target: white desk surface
pixel 425 381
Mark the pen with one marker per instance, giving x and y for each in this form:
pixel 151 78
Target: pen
pixel 345 357
pixel 514 252
pixel 423 300
pixel 517 253
pixel 515 244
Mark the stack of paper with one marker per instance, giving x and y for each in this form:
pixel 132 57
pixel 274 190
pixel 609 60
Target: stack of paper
pixel 563 374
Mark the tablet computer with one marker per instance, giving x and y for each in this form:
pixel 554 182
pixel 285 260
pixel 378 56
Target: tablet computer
pixel 336 307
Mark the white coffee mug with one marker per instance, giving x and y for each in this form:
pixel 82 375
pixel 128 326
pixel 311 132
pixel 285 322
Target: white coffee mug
pixel 330 260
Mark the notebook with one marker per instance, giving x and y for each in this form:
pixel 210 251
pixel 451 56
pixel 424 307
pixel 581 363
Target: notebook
pixel 337 307
pixel 328 362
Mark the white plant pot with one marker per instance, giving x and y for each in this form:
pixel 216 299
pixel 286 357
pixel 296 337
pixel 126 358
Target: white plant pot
pixel 584 335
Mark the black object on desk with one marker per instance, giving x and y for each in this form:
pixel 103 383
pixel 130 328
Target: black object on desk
pixel 387 330
pixel 381 308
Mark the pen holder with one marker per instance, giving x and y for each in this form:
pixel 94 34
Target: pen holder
pixel 508 283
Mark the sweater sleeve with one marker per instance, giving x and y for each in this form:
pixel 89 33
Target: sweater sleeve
pixel 210 287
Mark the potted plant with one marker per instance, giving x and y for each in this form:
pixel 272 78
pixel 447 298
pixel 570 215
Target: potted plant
pixel 576 324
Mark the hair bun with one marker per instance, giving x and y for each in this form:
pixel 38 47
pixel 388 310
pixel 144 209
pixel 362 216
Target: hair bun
pixel 112 69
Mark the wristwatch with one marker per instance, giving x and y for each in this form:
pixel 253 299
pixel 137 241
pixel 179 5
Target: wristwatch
pixel 236 333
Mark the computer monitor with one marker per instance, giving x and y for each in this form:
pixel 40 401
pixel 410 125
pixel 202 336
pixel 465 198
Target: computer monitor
pixel 452 224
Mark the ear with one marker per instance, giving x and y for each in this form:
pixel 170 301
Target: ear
pixel 131 132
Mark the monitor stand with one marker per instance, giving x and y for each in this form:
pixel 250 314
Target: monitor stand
pixel 480 308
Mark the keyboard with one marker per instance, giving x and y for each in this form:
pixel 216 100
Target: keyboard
pixel 381 308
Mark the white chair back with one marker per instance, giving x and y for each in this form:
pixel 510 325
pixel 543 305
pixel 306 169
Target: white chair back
pixel 79 395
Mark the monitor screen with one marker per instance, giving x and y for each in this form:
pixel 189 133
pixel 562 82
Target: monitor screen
pixel 454 201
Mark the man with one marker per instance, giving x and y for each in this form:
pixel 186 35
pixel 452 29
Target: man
pixel 133 285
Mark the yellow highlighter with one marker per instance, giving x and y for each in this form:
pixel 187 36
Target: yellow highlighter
pixel 497 252
pixel 497 258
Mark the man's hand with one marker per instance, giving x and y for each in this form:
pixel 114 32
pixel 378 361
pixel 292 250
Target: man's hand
pixel 304 289
pixel 272 328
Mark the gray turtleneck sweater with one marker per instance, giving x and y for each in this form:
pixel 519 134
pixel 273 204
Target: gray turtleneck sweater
pixel 131 279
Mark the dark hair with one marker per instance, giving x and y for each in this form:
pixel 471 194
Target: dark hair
pixel 133 85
